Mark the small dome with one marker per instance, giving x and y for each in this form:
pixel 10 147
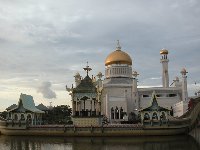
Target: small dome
pixel 183 71
pixel 77 75
pixel 118 57
pixel 164 51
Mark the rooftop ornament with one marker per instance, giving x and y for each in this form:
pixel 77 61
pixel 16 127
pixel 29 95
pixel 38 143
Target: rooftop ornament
pixel 87 68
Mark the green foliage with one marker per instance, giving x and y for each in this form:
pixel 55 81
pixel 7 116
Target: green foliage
pixel 58 115
pixel 3 114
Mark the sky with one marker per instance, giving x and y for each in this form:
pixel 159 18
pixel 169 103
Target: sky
pixel 44 43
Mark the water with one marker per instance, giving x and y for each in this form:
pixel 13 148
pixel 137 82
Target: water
pixel 128 143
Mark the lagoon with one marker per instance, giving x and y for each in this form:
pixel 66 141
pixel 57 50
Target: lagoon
pixel 182 142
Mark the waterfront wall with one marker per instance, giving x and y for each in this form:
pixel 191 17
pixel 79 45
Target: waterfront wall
pixel 86 121
pixel 94 131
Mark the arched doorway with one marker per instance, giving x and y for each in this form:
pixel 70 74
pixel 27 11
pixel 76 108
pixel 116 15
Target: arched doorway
pixel 29 119
pixel 116 113
pixel 155 116
pixel 121 113
pixel 146 116
pixel 22 117
pixel 15 117
pixel 112 113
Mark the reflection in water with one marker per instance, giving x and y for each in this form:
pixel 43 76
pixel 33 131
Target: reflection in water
pixel 126 143
pixel 196 134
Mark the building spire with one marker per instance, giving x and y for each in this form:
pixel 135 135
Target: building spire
pixel 118 46
pixel 164 61
pixel 87 68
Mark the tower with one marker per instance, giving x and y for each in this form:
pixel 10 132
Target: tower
pixel 135 90
pixel 117 95
pixel 184 84
pixel 164 60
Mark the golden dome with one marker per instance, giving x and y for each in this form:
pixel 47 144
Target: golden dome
pixel 164 51
pixel 118 57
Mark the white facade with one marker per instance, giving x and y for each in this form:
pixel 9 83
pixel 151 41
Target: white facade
pixel 180 108
pixel 120 89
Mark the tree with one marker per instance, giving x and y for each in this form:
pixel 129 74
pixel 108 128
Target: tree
pixel 4 114
pixel 58 115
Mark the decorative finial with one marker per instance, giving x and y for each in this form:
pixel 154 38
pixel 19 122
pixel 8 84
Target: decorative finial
pixel 118 46
pixel 87 68
pixel 154 99
pixel 99 75
pixel 135 74
pixel 183 71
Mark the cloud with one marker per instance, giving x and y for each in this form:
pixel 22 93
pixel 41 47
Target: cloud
pixel 46 91
pixel 155 78
pixel 53 40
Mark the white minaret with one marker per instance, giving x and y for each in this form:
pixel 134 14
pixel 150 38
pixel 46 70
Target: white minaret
pixel 164 60
pixel 135 74
pixel 135 90
pixel 184 85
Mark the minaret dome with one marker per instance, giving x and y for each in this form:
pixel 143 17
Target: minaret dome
pixel 164 51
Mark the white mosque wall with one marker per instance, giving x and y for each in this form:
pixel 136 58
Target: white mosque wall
pixel 117 97
pixel 180 108
pixel 163 102
pixel 118 70
pixel 166 97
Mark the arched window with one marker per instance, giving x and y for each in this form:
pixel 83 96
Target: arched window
pixel 121 113
pixel 22 117
pixel 116 113
pixel 155 116
pixel 29 119
pixel 112 113
pixel 16 117
pixel 146 116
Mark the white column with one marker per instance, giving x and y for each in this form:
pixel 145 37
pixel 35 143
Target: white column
pixel 119 114
pixel 135 90
pixel 91 105
pixel 73 108
pixel 106 105
pixel 76 106
pixel 165 75
pixel 184 85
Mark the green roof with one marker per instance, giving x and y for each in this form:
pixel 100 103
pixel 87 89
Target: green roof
pixel 42 107
pixel 86 86
pixel 26 101
pixel 154 105
pixel 11 107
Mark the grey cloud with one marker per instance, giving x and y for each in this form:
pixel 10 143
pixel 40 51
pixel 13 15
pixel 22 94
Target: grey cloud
pixel 53 40
pixel 46 91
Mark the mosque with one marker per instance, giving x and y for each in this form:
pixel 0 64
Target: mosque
pixel 118 97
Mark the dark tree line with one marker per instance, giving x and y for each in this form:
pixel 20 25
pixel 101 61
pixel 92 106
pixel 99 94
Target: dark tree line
pixel 58 115
pixel 3 114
